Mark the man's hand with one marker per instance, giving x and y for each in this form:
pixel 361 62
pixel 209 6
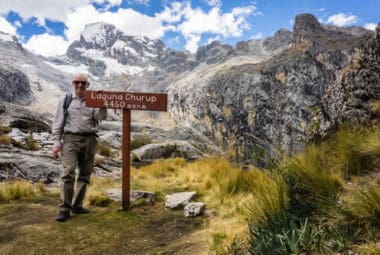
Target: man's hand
pixel 56 151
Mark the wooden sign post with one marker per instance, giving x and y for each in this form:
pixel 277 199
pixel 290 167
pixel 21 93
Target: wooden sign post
pixel 126 101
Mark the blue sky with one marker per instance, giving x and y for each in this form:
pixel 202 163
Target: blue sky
pixel 47 27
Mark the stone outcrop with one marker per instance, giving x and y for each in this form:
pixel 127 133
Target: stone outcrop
pixel 14 86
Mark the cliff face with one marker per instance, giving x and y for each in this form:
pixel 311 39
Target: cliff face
pixel 325 77
pixel 14 86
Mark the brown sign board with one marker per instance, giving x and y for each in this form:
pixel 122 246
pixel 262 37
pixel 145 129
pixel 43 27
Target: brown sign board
pixel 126 100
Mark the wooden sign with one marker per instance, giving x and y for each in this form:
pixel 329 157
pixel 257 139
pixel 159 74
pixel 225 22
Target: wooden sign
pixel 127 101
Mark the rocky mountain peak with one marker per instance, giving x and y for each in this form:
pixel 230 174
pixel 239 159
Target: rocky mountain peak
pixel 306 23
pixel 305 27
pixel 10 39
pixel 107 50
pixel 280 38
pixel 214 52
pixel 99 35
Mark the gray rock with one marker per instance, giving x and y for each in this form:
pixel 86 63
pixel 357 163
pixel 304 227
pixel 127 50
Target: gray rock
pixel 19 117
pixel 115 194
pixel 178 200
pixel 40 165
pixel 111 138
pixel 214 52
pixel 14 85
pixel 17 135
pixel 172 149
pixel 194 209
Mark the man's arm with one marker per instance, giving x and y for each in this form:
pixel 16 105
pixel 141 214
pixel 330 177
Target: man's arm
pixel 58 124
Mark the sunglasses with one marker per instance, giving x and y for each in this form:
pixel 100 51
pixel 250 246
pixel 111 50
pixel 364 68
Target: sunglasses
pixel 82 83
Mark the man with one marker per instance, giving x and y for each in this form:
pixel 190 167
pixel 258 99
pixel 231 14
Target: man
pixel 78 126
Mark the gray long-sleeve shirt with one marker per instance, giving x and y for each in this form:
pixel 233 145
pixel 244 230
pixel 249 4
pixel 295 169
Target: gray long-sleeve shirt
pixel 79 119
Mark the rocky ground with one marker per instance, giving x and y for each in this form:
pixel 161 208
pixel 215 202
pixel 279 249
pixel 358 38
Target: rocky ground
pixel 19 161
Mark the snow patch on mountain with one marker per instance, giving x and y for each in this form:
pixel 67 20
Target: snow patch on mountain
pixel 7 37
pixel 81 68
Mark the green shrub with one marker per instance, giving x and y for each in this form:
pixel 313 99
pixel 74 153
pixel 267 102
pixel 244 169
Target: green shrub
pixel 364 205
pixel 312 186
pixel 5 130
pixel 371 148
pixel 30 143
pixel 104 149
pixel 371 248
pixel 234 180
pixel 270 201
pixel 99 200
pixel 15 191
pixel 5 139
pixel 375 106
pixel 140 141
pixel 312 220
pixel 163 168
pixel 347 151
pixel 286 235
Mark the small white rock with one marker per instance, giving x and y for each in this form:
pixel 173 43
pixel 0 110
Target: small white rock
pixel 194 209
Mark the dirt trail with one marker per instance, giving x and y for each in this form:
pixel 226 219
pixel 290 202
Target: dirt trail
pixel 28 227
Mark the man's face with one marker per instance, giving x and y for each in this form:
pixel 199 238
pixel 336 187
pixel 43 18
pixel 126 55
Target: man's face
pixel 80 84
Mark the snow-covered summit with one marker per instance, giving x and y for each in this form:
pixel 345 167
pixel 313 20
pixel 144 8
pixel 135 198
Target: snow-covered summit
pixel 100 33
pixel 108 51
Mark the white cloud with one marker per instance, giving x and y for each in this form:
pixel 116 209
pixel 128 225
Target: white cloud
pixel 213 3
pixel 342 19
pixel 47 45
pixel 173 13
pixel 7 27
pixel 174 40
pixel 257 36
pixel 56 10
pixel 192 42
pixel 195 22
pixel 143 2
pixel 127 20
pixel 370 26
pixel 180 17
pixel 17 23
pixel 118 2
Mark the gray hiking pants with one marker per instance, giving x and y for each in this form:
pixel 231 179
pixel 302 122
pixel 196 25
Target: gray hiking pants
pixel 78 151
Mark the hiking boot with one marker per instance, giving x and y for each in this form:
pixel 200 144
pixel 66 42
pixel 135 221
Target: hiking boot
pixel 63 215
pixel 79 210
